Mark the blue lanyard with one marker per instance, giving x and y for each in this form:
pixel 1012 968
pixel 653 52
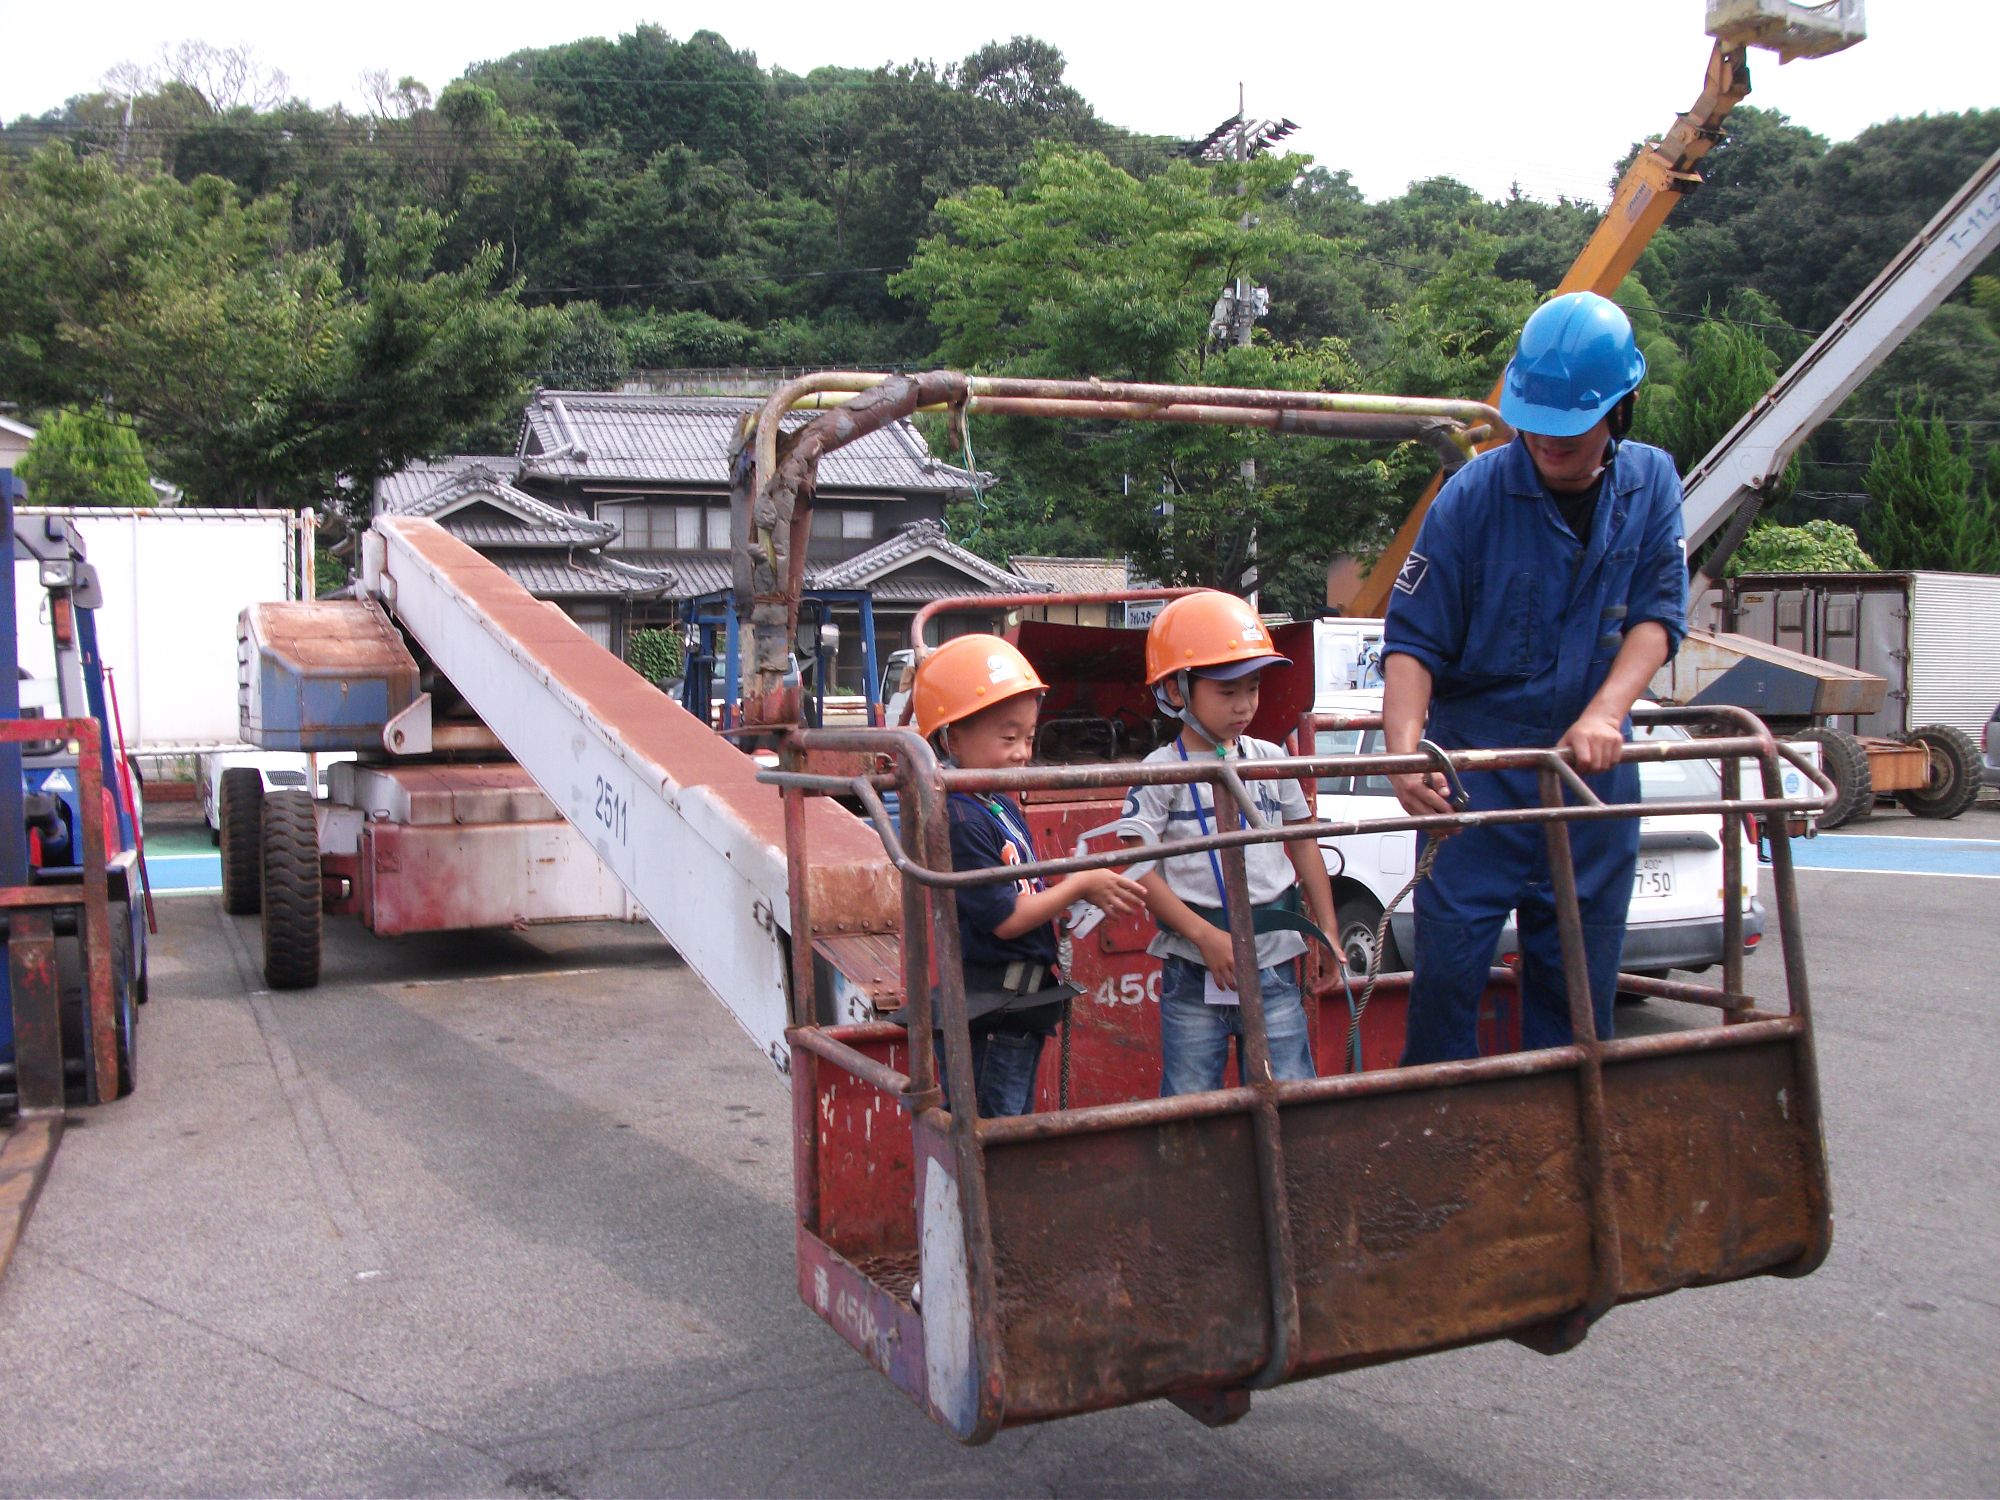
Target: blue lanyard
pixel 1214 863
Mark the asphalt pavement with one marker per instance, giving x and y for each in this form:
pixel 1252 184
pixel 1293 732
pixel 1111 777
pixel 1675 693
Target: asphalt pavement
pixel 511 1215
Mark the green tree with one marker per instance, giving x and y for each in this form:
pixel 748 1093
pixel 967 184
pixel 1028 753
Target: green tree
pixel 1816 547
pixel 1453 334
pixel 254 373
pixel 1084 269
pixel 86 458
pixel 1727 369
pixel 1924 512
pixel 583 351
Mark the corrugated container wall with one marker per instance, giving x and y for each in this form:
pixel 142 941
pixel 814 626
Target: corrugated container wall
pixel 1954 649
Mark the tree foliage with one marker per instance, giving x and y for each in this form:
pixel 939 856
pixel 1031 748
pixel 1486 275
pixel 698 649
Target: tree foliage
pixel 86 458
pixel 1925 511
pixel 655 655
pixel 255 373
pixel 1083 269
pixel 668 202
pixel 1726 368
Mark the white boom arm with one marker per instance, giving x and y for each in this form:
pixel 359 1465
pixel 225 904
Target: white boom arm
pixel 1929 269
pixel 674 810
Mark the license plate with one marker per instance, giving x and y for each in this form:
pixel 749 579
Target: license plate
pixel 1654 877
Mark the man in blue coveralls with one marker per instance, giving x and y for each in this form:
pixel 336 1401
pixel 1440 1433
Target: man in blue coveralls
pixel 1547 585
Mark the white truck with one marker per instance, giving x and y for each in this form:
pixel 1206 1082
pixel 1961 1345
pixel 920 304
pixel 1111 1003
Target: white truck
pixel 174 582
pixel 1933 637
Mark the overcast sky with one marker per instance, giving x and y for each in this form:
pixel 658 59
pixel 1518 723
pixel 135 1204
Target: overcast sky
pixel 1546 93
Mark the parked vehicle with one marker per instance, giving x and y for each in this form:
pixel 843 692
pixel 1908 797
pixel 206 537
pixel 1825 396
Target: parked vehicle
pixel 69 782
pixel 1676 915
pixel 174 581
pixel 1934 638
pixel 279 770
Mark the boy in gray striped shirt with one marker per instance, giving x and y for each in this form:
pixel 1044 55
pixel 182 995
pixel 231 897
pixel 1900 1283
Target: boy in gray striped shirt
pixel 1204 655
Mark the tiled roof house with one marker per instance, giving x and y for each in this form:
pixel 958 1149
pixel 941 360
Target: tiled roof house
pixel 633 488
pixel 552 552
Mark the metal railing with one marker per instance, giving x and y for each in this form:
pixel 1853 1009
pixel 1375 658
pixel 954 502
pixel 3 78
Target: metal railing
pixel 920 850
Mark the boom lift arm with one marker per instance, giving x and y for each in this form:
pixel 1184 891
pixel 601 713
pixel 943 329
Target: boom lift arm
pixel 1003 1271
pixel 1725 490
pixel 673 809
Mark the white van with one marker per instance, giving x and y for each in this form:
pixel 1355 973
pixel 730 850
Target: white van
pixel 282 770
pixel 1676 913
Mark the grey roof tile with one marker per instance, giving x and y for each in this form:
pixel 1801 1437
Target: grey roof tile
pixel 695 573
pixel 484 532
pixel 406 486
pixel 687 439
pixel 476 504
pixel 866 568
pixel 700 573
pixel 1074 575
pixel 580 575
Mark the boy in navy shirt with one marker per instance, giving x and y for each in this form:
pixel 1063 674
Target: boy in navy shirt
pixel 976 699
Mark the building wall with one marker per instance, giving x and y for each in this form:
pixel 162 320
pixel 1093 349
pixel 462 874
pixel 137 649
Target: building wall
pixel 1074 614
pixel 889 514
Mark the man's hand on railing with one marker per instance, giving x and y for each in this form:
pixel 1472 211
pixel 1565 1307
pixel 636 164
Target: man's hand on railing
pixel 1595 741
pixel 1424 794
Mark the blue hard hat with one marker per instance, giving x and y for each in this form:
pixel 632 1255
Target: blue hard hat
pixel 1576 360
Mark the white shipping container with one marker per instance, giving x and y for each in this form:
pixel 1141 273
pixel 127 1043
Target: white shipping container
pixel 1954 649
pixel 174 582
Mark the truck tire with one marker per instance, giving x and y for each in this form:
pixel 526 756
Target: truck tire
pixel 1845 762
pixel 240 814
pixel 1954 772
pixel 292 917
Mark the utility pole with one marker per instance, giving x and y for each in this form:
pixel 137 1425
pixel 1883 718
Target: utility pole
pixel 1242 302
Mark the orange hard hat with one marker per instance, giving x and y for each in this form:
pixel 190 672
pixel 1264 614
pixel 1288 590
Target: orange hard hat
pixel 967 674
pixel 1211 633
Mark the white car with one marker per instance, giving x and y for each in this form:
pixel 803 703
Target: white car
pixel 1676 913
pixel 283 770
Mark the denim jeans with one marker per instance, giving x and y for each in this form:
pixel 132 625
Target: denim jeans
pixel 1194 1035
pixel 1004 1065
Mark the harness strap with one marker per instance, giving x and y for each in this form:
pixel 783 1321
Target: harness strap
pixel 1281 915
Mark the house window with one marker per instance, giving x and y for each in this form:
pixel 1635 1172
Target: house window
pixel 669 528
pixel 843 525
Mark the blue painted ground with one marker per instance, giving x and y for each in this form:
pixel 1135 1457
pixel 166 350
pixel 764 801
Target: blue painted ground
pixel 184 872
pixel 1899 856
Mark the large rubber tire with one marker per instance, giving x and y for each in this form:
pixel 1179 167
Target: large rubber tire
pixel 1845 762
pixel 240 812
pixel 1955 772
pixel 292 917
pixel 1357 914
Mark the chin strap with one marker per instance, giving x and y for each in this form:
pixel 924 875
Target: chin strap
pixel 1184 710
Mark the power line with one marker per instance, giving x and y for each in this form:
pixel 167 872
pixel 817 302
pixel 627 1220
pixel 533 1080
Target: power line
pixel 643 286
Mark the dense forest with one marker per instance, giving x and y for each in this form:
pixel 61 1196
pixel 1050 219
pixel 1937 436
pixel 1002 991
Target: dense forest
pixel 282 302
